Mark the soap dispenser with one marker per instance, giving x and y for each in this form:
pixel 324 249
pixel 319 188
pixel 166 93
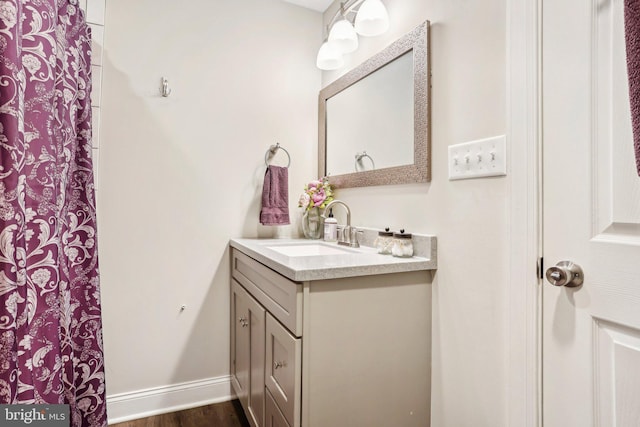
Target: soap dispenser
pixel 330 228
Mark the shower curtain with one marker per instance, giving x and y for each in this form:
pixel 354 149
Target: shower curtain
pixel 50 318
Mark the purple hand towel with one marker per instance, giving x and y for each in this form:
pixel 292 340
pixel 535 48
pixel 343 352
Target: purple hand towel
pixel 632 35
pixel 275 196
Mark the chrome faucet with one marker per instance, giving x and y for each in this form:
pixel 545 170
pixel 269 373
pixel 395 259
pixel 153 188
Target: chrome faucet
pixel 348 236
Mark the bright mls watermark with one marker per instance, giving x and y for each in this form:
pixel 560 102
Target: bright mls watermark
pixel 34 415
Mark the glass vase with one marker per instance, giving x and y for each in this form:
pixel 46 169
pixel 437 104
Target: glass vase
pixel 312 223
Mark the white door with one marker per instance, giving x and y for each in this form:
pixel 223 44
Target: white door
pixel 591 333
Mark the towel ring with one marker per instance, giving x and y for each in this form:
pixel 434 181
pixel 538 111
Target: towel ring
pixel 360 156
pixel 272 152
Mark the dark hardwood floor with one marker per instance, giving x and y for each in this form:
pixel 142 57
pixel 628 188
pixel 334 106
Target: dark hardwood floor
pixel 225 414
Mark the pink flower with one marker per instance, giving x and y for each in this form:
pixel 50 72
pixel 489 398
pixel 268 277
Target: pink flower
pixel 303 202
pixel 315 184
pixel 319 197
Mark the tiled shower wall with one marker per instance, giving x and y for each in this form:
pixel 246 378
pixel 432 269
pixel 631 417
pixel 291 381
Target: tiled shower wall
pixel 94 12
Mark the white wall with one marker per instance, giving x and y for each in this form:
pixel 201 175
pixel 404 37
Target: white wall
pixel 180 176
pixel 470 218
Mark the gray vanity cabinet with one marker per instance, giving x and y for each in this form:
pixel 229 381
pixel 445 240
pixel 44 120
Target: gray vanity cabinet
pixel 341 352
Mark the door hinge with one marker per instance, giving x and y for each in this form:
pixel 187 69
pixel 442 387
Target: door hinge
pixel 540 268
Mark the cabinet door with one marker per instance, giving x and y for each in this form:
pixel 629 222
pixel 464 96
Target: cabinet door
pixel 273 417
pixel 248 343
pixel 283 370
pixel 239 344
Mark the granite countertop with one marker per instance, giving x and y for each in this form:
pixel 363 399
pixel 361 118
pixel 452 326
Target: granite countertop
pixel 345 262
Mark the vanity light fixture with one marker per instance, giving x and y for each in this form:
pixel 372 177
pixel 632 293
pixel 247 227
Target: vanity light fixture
pixel 371 19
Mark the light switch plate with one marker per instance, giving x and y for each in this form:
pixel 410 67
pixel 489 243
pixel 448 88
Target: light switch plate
pixel 478 159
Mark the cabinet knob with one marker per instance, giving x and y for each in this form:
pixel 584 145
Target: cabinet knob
pixel 278 365
pixel 243 322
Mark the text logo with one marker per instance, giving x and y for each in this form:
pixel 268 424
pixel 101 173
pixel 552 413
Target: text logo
pixel 34 415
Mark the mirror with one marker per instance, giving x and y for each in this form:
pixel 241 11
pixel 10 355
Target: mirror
pixel 374 121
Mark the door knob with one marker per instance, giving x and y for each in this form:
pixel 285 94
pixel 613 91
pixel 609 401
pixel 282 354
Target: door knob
pixel 565 273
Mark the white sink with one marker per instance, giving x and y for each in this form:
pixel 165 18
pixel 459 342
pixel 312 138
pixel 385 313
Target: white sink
pixel 310 249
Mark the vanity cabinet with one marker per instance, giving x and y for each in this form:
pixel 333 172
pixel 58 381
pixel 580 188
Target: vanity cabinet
pixel 352 351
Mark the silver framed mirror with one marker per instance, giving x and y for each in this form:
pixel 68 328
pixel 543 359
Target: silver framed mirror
pixel 374 122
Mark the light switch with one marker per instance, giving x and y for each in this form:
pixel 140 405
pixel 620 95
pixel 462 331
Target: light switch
pixel 478 159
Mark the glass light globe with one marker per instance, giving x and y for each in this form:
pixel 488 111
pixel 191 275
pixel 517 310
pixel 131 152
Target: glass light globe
pixel 372 18
pixel 343 36
pixel 329 58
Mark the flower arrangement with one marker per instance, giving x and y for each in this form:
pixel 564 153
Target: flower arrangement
pixel 317 194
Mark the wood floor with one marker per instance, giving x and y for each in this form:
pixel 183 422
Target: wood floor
pixel 226 414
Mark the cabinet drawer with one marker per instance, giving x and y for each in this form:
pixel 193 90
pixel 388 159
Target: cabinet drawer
pixel 283 360
pixel 273 415
pixel 279 295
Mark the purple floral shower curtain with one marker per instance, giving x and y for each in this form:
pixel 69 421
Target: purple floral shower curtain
pixel 50 318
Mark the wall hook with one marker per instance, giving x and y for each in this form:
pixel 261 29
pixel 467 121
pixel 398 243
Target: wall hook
pixel 164 89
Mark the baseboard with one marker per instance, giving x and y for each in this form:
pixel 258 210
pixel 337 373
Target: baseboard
pixel 161 400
